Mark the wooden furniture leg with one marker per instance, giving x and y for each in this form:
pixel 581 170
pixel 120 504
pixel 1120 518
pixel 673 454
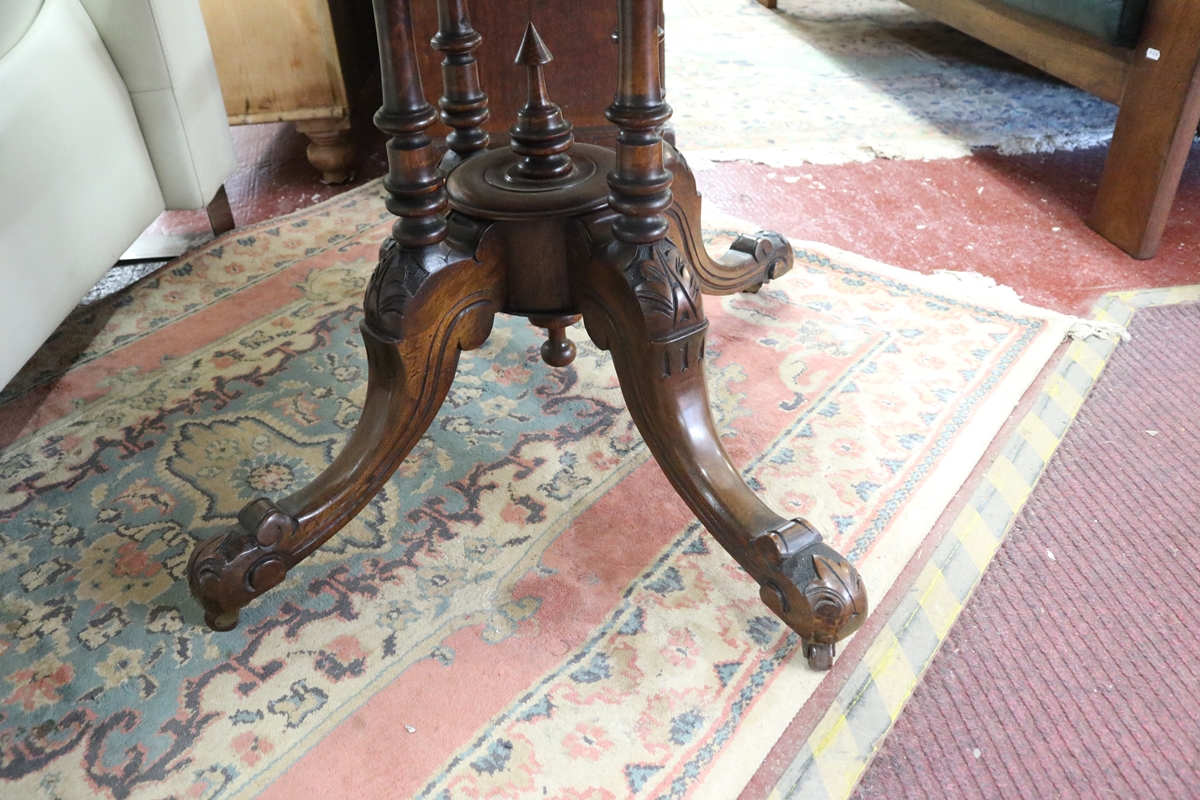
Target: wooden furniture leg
pixel 330 149
pixel 409 373
pixel 750 261
pixel 220 214
pixel 425 303
pixel 1155 128
pixel 640 298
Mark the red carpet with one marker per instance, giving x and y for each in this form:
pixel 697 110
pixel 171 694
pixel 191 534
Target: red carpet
pixel 1073 672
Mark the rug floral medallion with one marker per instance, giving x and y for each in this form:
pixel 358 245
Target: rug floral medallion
pixel 526 610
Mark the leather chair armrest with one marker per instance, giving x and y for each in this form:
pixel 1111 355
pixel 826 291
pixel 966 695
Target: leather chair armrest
pixel 161 49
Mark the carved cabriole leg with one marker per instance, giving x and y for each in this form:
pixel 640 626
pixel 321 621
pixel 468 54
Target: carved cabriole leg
pixel 642 303
pixel 463 103
pixel 640 298
pixel 425 302
pixel 423 307
pixel 751 260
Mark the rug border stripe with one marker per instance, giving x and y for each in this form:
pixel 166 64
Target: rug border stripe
pixel 827 766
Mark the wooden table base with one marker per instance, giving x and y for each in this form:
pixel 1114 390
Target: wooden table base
pixel 550 230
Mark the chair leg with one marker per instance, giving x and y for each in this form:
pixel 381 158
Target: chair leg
pixel 1160 109
pixel 220 214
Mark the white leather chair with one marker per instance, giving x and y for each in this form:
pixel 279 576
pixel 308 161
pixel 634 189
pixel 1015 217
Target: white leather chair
pixel 110 112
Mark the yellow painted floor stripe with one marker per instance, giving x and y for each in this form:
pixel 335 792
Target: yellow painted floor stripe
pixel 940 606
pixel 1008 480
pixel 1034 431
pixel 1089 359
pixel 840 762
pixel 893 675
pixel 980 545
pixel 1064 394
pixel 835 751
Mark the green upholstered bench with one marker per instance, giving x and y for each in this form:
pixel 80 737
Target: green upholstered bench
pixel 1117 22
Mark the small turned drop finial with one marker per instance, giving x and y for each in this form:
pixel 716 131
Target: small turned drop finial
pixel 541 136
pixel 557 350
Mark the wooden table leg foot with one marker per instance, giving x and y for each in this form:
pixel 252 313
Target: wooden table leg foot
pixel 642 303
pixel 330 149
pixel 819 656
pixel 422 308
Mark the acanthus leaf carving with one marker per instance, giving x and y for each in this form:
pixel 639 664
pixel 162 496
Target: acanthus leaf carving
pixel 667 290
pixel 397 279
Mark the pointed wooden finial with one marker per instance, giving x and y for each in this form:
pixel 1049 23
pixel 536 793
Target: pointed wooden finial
pixel 533 51
pixel 541 135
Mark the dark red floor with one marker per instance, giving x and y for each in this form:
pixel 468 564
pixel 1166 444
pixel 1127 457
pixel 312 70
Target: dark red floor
pixel 1074 670
pixel 1018 219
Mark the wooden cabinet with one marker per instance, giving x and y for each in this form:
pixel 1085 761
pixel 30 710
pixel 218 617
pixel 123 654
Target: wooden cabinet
pixel 278 60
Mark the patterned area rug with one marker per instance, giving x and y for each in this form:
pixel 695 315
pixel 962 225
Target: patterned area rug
pixel 527 609
pixel 831 81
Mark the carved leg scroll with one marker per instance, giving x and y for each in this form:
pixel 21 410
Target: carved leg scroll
pixel 751 260
pixel 657 342
pixel 640 298
pixel 423 307
pixel 426 301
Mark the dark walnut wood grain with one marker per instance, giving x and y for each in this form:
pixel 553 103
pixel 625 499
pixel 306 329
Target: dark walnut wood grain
pixel 580 33
pixel 550 230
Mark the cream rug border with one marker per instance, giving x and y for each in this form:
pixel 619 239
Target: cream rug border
pixel 775 708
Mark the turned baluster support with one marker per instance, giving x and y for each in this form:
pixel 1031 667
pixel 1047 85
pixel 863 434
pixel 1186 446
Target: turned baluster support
pixel 417 193
pixel 640 186
pixel 463 103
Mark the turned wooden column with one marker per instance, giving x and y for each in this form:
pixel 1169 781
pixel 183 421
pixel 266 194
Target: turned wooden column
pixel 463 103
pixel 416 188
pixel 640 187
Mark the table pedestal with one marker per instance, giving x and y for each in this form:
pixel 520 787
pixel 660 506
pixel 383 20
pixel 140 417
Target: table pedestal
pixel 550 230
